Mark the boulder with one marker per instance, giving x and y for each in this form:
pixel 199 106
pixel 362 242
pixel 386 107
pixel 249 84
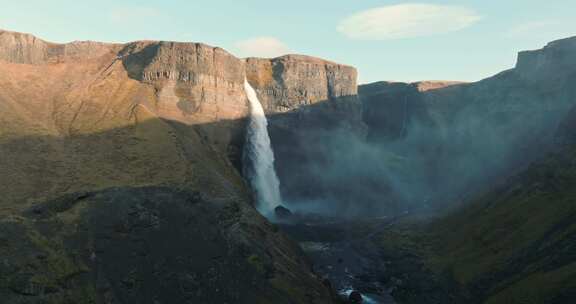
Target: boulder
pixel 282 213
pixel 355 297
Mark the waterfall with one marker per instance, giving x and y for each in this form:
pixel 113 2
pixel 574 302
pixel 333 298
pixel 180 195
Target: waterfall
pixel 259 157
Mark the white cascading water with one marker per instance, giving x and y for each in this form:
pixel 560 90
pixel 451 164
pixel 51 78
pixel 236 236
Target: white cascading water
pixel 259 157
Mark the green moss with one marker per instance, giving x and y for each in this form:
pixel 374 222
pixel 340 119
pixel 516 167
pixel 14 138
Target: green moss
pixel 291 290
pixel 534 210
pixel 57 266
pixel 538 287
pixel 43 280
pixel 257 263
pixel 84 295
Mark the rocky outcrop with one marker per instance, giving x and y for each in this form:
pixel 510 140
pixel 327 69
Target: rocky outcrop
pixel 291 81
pixel 194 83
pixel 553 63
pixel 27 49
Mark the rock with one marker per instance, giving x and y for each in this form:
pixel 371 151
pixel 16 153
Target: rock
pixel 282 213
pixel 289 82
pixel 355 297
pixel 553 63
pixel 26 49
pixel 124 109
pixel 326 282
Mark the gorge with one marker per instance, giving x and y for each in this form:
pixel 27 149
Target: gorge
pixel 131 173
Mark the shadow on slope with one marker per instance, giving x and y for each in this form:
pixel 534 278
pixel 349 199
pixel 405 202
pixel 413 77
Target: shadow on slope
pixel 513 244
pixel 149 245
pixel 154 211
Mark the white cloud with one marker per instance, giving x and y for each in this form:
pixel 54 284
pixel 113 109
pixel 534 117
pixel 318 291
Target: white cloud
pixel 123 15
pixel 406 21
pixel 543 29
pixel 261 47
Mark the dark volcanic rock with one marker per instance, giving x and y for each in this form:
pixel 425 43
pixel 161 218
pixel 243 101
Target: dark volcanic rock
pixel 355 297
pixel 282 213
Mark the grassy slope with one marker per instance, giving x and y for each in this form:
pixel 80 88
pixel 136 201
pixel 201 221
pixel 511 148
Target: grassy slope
pixel 516 244
pixel 78 124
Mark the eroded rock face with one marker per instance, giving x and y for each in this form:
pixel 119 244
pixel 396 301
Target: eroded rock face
pixel 289 82
pixel 27 49
pixel 552 63
pixel 193 82
pixel 304 94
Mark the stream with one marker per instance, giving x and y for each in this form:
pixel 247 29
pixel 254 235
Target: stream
pixel 344 256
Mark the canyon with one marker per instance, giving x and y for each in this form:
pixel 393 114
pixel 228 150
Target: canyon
pixel 86 123
pixel 121 177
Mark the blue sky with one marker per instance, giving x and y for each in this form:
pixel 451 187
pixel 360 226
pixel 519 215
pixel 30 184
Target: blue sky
pixel 385 40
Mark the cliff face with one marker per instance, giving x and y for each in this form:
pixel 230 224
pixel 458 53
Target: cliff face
pixel 27 49
pixel 193 82
pixel 287 82
pixel 82 89
pixel 551 64
pixel 478 132
pixel 87 117
pixel 306 99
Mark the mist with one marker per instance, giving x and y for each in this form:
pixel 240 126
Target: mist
pixel 419 151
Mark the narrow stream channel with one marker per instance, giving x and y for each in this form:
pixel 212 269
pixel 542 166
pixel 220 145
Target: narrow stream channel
pixel 349 263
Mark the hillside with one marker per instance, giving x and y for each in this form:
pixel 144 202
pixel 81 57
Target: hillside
pixel 514 244
pixel 514 241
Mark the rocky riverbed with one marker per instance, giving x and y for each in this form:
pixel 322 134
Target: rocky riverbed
pixel 341 252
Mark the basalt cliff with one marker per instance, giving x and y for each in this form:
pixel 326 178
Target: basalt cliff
pixel 120 172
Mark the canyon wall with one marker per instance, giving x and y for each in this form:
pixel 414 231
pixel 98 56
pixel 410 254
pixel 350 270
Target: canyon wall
pixel 310 102
pixel 459 138
pixel 141 125
pixel 81 89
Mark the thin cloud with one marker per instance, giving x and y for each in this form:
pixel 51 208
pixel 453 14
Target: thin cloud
pixel 407 21
pixel 542 29
pixel 261 47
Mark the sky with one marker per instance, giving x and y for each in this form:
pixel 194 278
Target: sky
pixel 385 40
